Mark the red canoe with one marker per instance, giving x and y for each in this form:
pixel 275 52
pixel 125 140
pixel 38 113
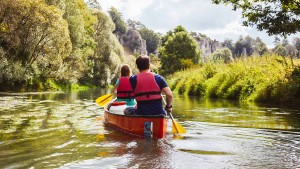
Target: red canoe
pixel 145 126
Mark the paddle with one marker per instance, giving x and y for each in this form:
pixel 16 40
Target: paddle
pixel 176 128
pixel 101 101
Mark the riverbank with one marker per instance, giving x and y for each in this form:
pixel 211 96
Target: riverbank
pixel 41 86
pixel 267 79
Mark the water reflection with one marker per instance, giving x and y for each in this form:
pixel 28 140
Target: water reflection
pixel 139 152
pixel 65 130
pixel 45 130
pixel 233 113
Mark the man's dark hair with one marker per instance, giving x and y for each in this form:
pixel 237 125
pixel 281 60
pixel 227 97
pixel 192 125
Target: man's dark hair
pixel 142 62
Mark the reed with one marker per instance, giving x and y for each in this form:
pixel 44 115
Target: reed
pixel 268 78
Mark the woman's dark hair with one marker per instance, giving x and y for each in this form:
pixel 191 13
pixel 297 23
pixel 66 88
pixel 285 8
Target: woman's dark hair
pixel 143 62
pixel 125 70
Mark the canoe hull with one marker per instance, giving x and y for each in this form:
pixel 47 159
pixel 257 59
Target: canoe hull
pixel 136 124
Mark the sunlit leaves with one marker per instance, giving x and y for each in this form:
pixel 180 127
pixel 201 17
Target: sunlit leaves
pixel 246 46
pixel 297 45
pixel 152 39
pixel 283 48
pixel 116 17
pixel 109 54
pixel 176 51
pixel 275 16
pixel 263 79
pixel 36 35
pixel 223 55
pixel 81 26
pixel 62 40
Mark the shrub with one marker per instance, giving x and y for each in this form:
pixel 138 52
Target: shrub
pixel 260 79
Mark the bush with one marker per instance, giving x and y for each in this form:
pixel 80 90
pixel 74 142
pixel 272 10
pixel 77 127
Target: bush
pixel 259 79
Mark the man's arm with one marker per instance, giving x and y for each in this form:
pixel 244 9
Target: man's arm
pixel 169 98
pixel 132 81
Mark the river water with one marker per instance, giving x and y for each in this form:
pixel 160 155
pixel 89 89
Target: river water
pixel 66 130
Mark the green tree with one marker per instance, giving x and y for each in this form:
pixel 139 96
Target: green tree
pixel 81 27
pixel 171 33
pixel 280 50
pixel 291 51
pixel 276 40
pixel 35 36
pixel 223 55
pixel 131 24
pixel 229 44
pixel 277 17
pixel 11 72
pixel 285 49
pixel 94 4
pixel 116 17
pixel 285 42
pixel 249 46
pixel 260 46
pixel 296 42
pixel 109 54
pixel 152 39
pixel 198 36
pixel 178 51
pixel 244 46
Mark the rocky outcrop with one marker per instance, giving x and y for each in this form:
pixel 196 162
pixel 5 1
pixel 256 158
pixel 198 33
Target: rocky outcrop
pixel 208 46
pixel 133 40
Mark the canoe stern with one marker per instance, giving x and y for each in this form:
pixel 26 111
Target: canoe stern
pixel 136 124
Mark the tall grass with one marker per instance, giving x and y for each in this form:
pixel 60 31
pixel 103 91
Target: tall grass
pixel 260 79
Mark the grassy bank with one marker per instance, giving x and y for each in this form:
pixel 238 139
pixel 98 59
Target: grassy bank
pixel 270 79
pixel 41 86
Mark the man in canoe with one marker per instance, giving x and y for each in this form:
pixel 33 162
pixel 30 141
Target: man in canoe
pixel 147 87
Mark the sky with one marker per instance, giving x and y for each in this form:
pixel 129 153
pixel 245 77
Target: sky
pixel 216 21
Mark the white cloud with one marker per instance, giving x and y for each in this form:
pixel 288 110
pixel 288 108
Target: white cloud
pixel 231 31
pixel 106 4
pixel 216 21
pixel 131 9
pixel 135 8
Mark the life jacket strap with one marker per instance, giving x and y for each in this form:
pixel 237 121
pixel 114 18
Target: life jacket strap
pixel 147 101
pixel 147 93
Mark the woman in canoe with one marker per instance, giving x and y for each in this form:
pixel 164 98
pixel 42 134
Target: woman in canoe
pixel 123 88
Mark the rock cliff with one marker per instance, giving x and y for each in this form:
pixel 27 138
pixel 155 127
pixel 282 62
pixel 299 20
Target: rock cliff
pixel 208 46
pixel 133 40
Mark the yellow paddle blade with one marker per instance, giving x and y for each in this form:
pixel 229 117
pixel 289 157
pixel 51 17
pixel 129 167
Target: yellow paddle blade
pixel 105 101
pixel 101 101
pixel 177 128
pixel 103 98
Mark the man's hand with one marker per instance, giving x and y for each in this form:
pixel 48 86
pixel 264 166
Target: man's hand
pixel 168 108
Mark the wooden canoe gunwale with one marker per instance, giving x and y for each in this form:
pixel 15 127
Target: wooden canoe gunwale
pixel 138 116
